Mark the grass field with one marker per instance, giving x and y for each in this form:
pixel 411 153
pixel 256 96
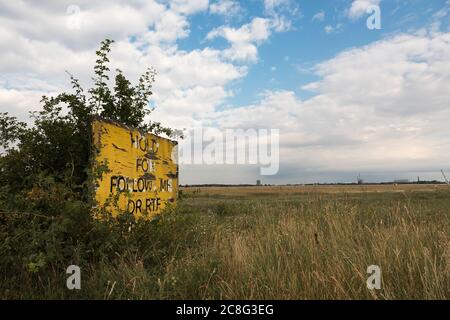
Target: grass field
pixel 312 242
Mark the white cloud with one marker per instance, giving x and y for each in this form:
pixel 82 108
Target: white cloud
pixel 244 39
pixel 225 8
pixel 281 23
pixel 271 6
pixel 50 21
pixel 409 72
pixel 281 14
pixel 256 31
pixel 359 7
pixel 19 102
pixel 167 29
pixel 319 16
pixel 379 107
pixel 328 29
pixel 36 47
pixel 189 6
pixel 333 29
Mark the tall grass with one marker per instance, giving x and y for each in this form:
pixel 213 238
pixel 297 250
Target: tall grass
pixel 313 246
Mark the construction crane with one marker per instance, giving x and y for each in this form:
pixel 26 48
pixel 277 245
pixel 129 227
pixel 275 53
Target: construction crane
pixel 445 178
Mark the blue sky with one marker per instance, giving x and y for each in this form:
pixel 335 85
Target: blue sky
pixel 345 99
pixel 307 43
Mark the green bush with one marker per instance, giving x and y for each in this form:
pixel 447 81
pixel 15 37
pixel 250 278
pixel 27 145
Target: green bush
pixel 45 179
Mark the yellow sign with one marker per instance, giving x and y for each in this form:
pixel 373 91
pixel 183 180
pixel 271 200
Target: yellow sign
pixel 141 176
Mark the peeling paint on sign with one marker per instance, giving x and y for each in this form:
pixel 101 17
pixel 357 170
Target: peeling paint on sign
pixel 142 176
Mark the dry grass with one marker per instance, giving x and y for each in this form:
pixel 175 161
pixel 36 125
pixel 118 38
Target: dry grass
pixel 312 189
pixel 288 243
pixel 320 247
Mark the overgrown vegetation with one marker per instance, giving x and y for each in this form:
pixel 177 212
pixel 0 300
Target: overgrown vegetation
pixel 286 245
pixel 45 175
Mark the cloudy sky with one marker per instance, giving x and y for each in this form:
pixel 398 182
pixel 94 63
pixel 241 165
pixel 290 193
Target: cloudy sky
pixel 347 99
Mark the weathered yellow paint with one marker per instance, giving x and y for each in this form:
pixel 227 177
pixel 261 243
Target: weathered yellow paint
pixel 142 177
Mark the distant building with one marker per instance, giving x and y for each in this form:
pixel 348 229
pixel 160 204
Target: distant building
pixel 402 181
pixel 258 183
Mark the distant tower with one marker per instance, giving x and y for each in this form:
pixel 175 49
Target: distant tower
pixel 258 183
pixel 360 181
pixel 445 177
